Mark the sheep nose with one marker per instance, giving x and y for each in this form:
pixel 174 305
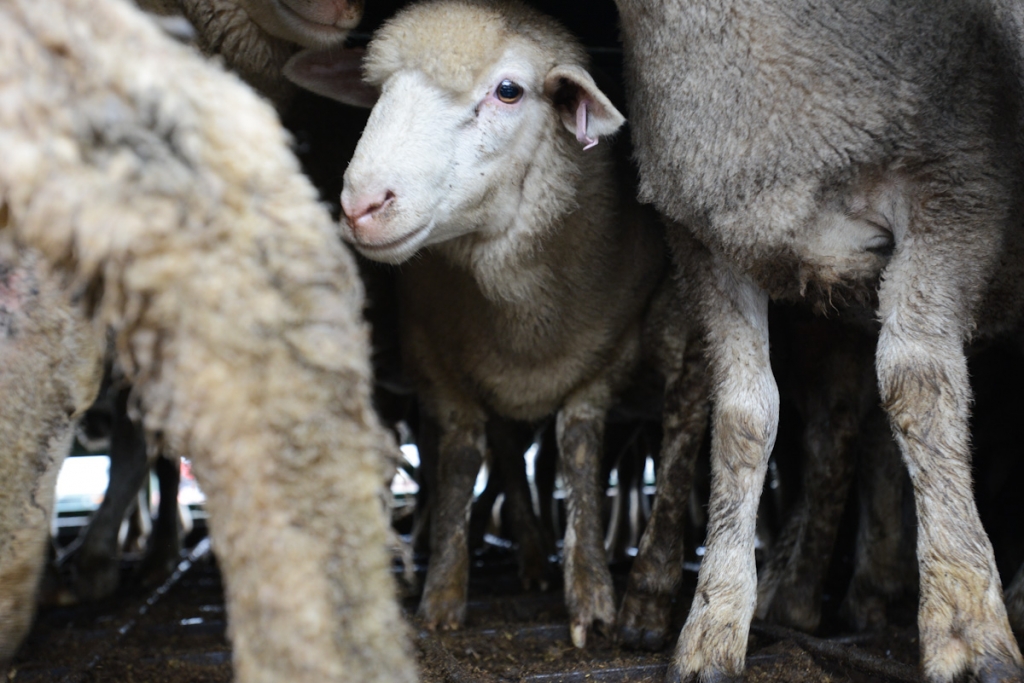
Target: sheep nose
pixel 361 211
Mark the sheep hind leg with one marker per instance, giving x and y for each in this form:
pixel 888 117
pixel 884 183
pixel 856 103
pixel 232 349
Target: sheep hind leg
pixel 834 383
pixel 658 569
pixel 588 582
pixel 713 643
pixel 923 381
pixel 163 551
pixel 460 456
pixel 95 569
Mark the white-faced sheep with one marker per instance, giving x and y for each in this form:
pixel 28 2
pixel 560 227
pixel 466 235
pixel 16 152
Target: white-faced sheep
pixel 165 191
pixel 533 268
pixel 842 154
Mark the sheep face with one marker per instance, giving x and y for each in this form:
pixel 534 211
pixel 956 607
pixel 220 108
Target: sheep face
pixel 433 165
pixel 310 23
pixel 472 112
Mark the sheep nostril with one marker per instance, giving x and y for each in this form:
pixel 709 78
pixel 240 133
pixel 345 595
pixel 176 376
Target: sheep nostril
pixel 361 211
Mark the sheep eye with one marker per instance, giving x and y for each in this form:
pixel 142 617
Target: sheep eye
pixel 509 92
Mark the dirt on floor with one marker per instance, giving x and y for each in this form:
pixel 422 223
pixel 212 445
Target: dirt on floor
pixel 176 634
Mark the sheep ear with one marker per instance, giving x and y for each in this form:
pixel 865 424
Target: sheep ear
pixel 332 72
pixel 585 111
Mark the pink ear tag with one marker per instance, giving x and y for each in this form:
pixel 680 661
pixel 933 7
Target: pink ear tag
pixel 581 127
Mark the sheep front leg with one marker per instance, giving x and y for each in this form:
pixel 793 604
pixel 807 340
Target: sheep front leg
pixel 508 443
pixel 745 417
pixel 579 429
pixel 923 381
pixel 461 453
pixel 658 570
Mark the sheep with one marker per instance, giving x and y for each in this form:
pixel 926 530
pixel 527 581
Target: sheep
pixel 163 191
pixel 861 158
pixel 532 271
pixel 50 371
pixel 255 38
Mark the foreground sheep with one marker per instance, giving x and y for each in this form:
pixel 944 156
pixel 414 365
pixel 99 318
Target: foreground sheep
pixel 533 270
pixel 254 38
pixel 853 156
pixel 165 191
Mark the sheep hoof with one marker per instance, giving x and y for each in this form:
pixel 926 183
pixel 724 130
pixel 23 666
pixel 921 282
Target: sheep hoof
pixel 643 620
pixel 996 671
pixel 579 635
pixel 864 613
pixel 641 639
pixel 446 615
pixel 533 565
pixel 796 609
pixel 591 604
pixel 94 579
pixel 674 675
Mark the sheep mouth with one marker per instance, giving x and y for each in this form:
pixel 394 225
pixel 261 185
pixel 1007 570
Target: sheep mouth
pixel 325 33
pixel 375 249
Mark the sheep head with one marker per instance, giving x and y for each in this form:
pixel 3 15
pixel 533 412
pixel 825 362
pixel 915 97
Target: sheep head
pixel 477 104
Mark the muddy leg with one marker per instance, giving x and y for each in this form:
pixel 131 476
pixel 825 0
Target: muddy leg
pixel 922 377
pixel 460 455
pixel 885 564
pixel 833 367
pixel 96 565
pixel 658 569
pixel 164 548
pixel 713 643
pixel 588 583
pixel 508 443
